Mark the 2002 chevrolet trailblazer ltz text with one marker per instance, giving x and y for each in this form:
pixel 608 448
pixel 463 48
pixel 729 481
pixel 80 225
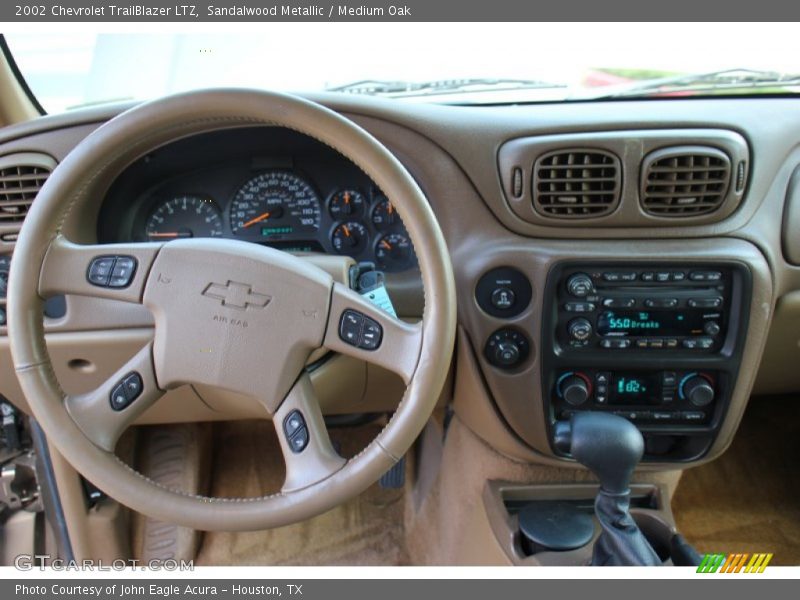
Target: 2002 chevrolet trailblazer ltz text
pixel 308 293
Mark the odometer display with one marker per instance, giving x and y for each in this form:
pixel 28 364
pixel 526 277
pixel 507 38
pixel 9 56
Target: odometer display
pixel 275 205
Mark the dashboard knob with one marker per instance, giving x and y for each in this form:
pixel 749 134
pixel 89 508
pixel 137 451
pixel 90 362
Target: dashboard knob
pixel 580 285
pixel 698 391
pixel 579 329
pixel 506 354
pixel 575 390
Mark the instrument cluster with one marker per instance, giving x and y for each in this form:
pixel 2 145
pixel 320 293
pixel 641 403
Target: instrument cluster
pixel 280 190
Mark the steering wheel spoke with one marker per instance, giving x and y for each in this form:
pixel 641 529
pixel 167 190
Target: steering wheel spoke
pixel 307 450
pixel 358 328
pixel 115 271
pixel 104 413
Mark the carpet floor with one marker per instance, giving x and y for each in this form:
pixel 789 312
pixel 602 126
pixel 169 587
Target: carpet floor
pixel 748 500
pixel 367 530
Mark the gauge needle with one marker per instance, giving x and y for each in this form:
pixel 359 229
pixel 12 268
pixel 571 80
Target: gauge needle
pixel 259 218
pixel 169 234
pixel 386 245
pixel 346 230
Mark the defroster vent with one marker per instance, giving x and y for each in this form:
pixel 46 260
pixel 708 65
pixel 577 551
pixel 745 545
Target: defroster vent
pixel 684 181
pixel 576 183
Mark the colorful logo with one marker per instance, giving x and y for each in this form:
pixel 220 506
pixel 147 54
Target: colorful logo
pixel 734 563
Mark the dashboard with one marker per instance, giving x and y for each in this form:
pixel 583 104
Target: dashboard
pixel 266 186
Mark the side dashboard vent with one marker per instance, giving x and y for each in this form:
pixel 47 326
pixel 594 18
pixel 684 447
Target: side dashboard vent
pixel 576 183
pixel 684 181
pixel 21 178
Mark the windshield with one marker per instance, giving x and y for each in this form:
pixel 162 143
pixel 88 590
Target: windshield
pixel 460 63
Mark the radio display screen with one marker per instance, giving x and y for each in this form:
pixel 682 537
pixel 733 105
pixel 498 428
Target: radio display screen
pixel 650 322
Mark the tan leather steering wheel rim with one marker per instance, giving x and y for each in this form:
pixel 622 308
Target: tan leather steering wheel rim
pixel 46 262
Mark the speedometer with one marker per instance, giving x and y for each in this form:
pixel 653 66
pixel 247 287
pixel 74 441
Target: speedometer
pixel 275 205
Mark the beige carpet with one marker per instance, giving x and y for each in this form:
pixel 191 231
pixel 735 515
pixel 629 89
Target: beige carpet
pixel 749 499
pixel 367 530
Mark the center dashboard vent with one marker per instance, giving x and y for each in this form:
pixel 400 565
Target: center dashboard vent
pixel 21 178
pixel 684 181
pixel 576 183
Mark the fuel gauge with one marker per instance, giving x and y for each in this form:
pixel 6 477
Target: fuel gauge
pixel 350 238
pixel 346 204
pixel 393 252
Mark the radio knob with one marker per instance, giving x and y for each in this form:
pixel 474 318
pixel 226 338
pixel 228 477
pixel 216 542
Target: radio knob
pixel 711 328
pixel 579 329
pixel 580 285
pixel 575 390
pixel 698 391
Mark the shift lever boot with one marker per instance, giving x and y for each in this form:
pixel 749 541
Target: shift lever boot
pixel 610 447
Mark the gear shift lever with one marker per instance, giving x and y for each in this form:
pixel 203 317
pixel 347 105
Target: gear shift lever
pixel 610 447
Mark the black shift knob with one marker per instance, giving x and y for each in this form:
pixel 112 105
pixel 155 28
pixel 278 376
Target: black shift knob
pixel 606 444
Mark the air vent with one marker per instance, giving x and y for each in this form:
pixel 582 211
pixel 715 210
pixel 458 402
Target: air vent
pixel 684 181
pixel 575 184
pixel 21 178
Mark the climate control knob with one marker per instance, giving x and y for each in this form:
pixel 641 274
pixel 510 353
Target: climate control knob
pixel 575 390
pixel 579 329
pixel 580 285
pixel 698 390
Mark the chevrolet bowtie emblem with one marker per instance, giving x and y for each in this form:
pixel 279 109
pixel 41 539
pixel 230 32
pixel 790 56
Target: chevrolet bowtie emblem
pixel 236 295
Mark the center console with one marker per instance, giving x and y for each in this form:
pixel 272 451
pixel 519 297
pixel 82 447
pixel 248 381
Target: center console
pixel 657 343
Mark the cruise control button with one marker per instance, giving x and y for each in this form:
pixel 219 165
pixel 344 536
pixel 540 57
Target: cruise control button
pixel 371 335
pixel 100 270
pixel 122 274
pixel 350 327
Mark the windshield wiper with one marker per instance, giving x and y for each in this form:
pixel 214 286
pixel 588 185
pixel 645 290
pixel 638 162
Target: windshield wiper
pixel 440 86
pixel 716 81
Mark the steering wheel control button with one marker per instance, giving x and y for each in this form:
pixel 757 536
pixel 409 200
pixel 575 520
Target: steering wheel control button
pixel 126 391
pixel 503 292
pixel 100 270
pixel 124 268
pixel 371 335
pixel 360 331
pixel 111 271
pixel 296 432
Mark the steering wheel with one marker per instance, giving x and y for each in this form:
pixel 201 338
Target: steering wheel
pixel 238 316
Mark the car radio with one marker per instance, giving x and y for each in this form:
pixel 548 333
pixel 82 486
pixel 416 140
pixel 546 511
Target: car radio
pixel 658 344
pixel 612 308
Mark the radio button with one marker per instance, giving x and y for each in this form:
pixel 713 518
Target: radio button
pixel 662 276
pixel 648 276
pixel 579 307
pixel 642 343
pixel 690 344
pixel 671 343
pixel 614 343
pixel 705 343
pixel 705 302
pixel 705 276
pixel 677 276
pixel 661 302
pixel 619 302
pixel 693 415
pixel 656 343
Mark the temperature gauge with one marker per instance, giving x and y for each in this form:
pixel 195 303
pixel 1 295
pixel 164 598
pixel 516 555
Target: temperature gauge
pixel 393 252
pixel 384 215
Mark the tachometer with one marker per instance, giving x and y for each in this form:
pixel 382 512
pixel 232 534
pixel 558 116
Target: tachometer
pixel 184 217
pixel 275 205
